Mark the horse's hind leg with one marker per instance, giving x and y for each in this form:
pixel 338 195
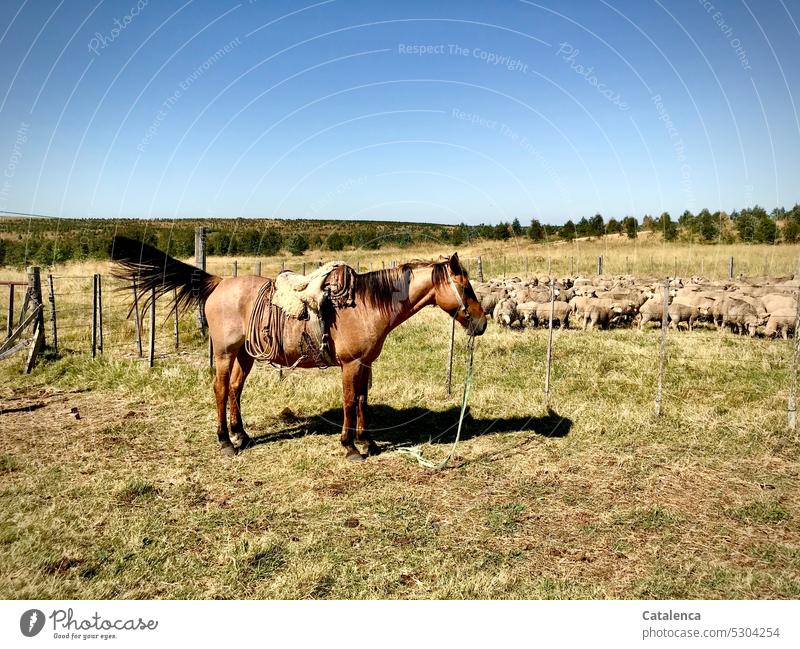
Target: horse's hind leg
pixel 223 362
pixel 241 368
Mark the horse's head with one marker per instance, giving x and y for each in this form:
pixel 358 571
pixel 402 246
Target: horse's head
pixel 454 295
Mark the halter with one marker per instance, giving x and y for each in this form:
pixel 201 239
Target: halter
pixel 461 306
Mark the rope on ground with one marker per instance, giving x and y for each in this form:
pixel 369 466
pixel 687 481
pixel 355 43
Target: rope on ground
pixel 416 451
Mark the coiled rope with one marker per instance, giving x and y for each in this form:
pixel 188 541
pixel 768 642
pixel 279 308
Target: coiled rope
pixel 416 451
pixel 266 343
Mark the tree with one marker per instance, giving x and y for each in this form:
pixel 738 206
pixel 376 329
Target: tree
pixel 596 226
pixel 648 223
pixel 501 231
pixel 568 231
pixel 613 227
pixel 366 238
pixel 516 227
pixel 536 231
pixel 791 231
pixel 270 243
pixel 335 242
pixel 297 244
pixel 631 226
pixel 667 227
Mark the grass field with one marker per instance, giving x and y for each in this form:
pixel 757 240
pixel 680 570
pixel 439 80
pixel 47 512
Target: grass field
pixel 594 497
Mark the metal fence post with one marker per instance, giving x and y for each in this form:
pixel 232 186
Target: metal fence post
pixel 549 345
pixel 10 319
pixel 662 349
pixel 200 262
pixel 795 358
pixel 175 302
pixel 94 315
pixel 152 351
pixel 53 322
pixel 100 313
pixel 450 356
pixel 138 319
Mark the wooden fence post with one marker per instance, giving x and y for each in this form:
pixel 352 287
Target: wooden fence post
pixel 549 266
pixel 53 321
pixel 100 312
pixel 235 269
pixel 480 268
pixel 303 269
pixel 796 357
pixel 662 352
pixel 730 267
pixel 34 295
pixel 94 315
pixel 450 356
pixel 572 267
pixel 152 351
pixel 138 319
pixel 600 265
pixel 258 269
pixel 10 319
pixel 549 345
pixel 200 262
pixel 175 302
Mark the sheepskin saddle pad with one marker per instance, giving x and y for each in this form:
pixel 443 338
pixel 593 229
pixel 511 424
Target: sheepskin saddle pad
pixel 296 294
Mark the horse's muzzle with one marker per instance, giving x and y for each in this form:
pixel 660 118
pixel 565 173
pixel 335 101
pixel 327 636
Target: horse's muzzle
pixel 477 327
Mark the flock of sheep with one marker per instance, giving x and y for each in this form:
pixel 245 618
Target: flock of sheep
pixel 758 305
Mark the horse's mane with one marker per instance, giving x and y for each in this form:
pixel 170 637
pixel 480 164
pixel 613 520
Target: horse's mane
pixel 377 287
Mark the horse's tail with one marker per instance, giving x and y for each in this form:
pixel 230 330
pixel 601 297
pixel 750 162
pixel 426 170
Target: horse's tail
pixel 147 269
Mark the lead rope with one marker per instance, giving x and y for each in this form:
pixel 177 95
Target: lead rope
pixel 416 451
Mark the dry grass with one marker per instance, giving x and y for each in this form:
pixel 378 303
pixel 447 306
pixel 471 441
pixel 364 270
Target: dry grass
pixel 596 498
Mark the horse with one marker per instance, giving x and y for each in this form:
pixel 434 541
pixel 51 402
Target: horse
pixel 383 300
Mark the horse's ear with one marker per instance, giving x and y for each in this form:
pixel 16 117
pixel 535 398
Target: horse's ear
pixel 455 265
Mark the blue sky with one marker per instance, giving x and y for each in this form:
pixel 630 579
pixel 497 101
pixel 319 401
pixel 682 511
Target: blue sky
pixel 446 112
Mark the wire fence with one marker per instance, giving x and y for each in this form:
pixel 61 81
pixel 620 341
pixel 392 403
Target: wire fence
pixel 96 315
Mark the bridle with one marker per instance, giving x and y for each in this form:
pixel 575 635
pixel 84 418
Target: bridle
pixel 461 305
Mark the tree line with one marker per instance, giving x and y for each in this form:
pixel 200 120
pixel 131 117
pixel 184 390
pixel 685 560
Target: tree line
pixel 49 241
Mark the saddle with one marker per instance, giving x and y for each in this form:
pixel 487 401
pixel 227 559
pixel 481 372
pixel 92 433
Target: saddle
pixel 311 299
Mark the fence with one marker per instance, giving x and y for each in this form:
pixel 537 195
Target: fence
pixel 98 315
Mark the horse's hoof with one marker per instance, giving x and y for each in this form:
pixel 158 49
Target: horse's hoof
pixel 373 450
pixel 355 456
pixel 227 449
pixel 245 443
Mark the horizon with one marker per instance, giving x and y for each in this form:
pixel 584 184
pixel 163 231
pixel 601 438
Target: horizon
pixel 342 110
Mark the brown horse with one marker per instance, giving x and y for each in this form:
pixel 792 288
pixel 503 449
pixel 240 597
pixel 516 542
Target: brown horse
pixel 384 299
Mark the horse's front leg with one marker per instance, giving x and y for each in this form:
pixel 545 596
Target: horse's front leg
pixel 362 436
pixel 349 399
pixel 223 362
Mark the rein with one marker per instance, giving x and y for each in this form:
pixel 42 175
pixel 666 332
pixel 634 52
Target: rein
pixel 415 451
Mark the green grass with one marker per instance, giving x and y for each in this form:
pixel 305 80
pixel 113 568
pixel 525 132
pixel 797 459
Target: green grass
pixel 594 497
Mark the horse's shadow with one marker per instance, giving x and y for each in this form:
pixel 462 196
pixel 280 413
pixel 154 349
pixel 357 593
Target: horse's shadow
pixel 392 427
